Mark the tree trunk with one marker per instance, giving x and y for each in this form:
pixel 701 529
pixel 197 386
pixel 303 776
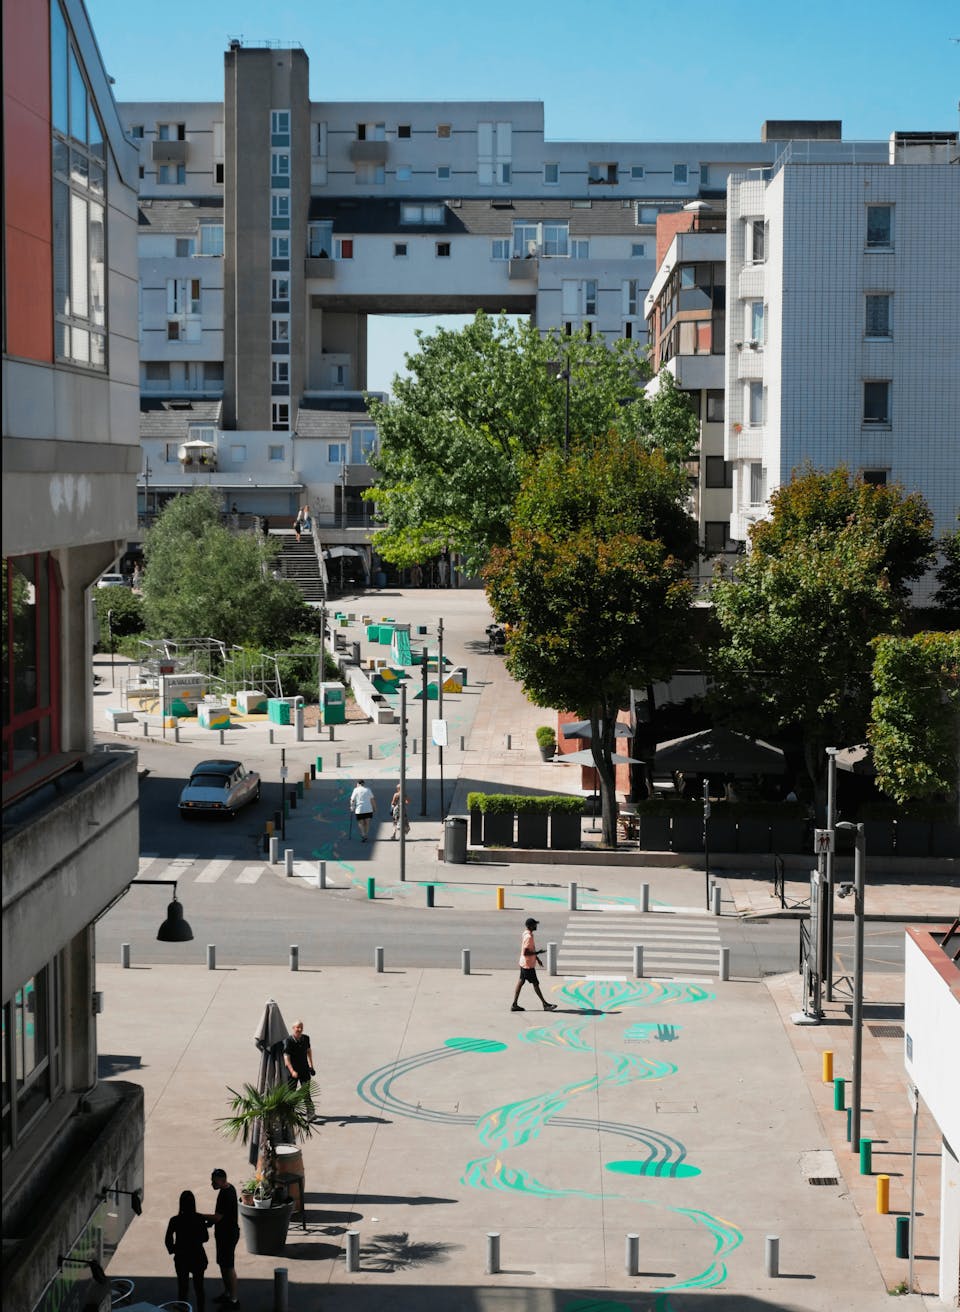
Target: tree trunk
pixel 602 738
pixel 815 761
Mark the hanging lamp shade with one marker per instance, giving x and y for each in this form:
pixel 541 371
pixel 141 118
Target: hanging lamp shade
pixel 175 929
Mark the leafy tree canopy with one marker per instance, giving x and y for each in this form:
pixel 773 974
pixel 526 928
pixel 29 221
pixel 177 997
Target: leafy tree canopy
pixel 453 439
pixel 948 575
pixel 825 575
pixel 202 580
pixel 594 583
pixel 916 715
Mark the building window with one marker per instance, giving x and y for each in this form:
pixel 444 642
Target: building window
pixel 403 131
pixel 370 174
pixel 31 1076
pixel 423 214
pixel 336 453
pixel 680 174
pixel 755 403
pixel 443 172
pixel 280 205
pixel 876 402
pixel 185 247
pixel 443 131
pixel 875 477
pixel 579 249
pixel 552 240
pixel 280 371
pixel 238 454
pixel 505 173
pixel 590 297
pixel 211 238
pixel 183 296
pixel 602 174
pixel 443 250
pixel 363 443
pixel 758 485
pixel 31 668
pixel 173 330
pixel 280 121
pixel 136 131
pixel 878 322
pixel 637 172
pixel 500 249
pixel 715 405
pixel 704 175
pixel 280 330
pixel 756 325
pixel 171 452
pixel 404 173
pixel 171 131
pixel 637 250
pixel 280 248
pixel 156 375
pixel 718 472
pixel 276 452
pixel 320 239
pixel 551 174
pixel 218 173
pixel 343 248
pixel 280 289
pixel 213 374
pixel 280 416
pixel 79 189
pixel 879 227
pixel 715 536
pixel 172 175
pixel 633 292
pixel 756 241
pixel 647 215
pixel 399 250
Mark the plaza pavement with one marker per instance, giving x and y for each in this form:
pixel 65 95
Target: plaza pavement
pixel 424 1148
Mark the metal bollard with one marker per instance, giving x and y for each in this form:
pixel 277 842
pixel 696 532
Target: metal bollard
pixel 644 897
pixel 319 765
pixel 292 799
pixel 499 899
pixel 866 1157
pixel 146 729
pixel 299 789
pixel 903 1236
pixel 633 1255
pixel 371 887
pixel 338 760
pixel 220 731
pixel 509 742
pixel 270 738
pixel 280 1289
pixel 638 960
pixel 493 1254
pixel 294 957
pixel 321 874
pixel 551 958
pixel 839 1093
pixel 274 849
pixel 313 770
pixel 413 746
pixel 431 889
pixel 849 1124
pixel 378 960
pixel 176 732
pixel 125 955
pixel 724 963
pixel 277 821
pixel 307 778
pixel 715 899
pixel 465 960
pixel 463 743
pixel 266 842
pixel 827 1067
pixel 883 1194
pixel 330 727
pixel 369 751
pixel 269 826
pixel 572 895
pixel 211 956
pixel 288 861
pixel 353 1250
pixel 771 1255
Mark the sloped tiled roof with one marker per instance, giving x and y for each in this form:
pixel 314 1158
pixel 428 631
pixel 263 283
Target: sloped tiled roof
pixel 329 416
pixel 179 216
pixel 171 419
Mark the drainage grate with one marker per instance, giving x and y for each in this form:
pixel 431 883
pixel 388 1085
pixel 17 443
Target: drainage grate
pixel 886 1031
pixel 823 1179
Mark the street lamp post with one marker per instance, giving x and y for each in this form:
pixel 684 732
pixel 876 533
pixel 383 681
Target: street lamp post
pixel 559 369
pixel 403 780
pixel 858 889
pixel 110 632
pixel 827 901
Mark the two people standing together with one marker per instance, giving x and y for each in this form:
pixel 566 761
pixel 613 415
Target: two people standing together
pixel 187 1233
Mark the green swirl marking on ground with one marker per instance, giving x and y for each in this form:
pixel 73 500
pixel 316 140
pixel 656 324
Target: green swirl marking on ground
pixel 493 1173
pixel 607 995
pixel 475 1045
pixel 669 1170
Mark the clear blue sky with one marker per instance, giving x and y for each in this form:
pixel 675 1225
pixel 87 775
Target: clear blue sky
pixel 607 70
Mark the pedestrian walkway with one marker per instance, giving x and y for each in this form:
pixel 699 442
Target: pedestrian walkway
pixel 675 945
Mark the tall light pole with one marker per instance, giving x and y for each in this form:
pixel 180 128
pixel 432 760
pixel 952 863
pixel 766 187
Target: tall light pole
pixel 403 780
pixel 859 878
pixel 110 631
pixel 828 870
pixel 561 369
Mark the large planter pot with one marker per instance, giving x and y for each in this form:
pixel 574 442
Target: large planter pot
pixel 265 1229
pixel 722 834
pixel 687 833
pixel 913 838
pixel 548 753
pixel 753 834
pixel 498 829
pixel 878 836
pixel 532 829
pixel 655 832
pixel 790 835
pixel 944 838
pixel 476 828
pixel 565 828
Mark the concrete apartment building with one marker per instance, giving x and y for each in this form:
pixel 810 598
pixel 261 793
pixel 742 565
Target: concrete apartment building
pixel 70 1147
pixel 272 227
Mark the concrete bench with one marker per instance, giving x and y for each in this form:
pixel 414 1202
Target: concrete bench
pixel 117 715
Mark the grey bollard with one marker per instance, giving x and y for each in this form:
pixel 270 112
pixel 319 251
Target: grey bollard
pixel 638 960
pixel 493 1254
pixel 321 874
pixel 463 743
pixel 551 958
pixel 274 849
pixel 176 732
pixel 298 718
pixel 715 899
pixel 280 1289
pixel 211 956
pixel 378 960
pixel 288 861
pixel 771 1255
pixel 146 729
pixel 294 957
pixel 353 1250
pixel 633 1255
pixel 369 751
pixel 413 746
pixel 338 760
pixel 330 727
pixel 270 740
pixel 572 895
pixel 644 897
pixel 724 963
pixel 465 960
pixel 509 742
pixel 125 955
pixel 220 732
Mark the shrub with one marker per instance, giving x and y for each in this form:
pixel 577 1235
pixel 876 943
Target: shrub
pixel 126 608
pixel 546 737
pixel 514 803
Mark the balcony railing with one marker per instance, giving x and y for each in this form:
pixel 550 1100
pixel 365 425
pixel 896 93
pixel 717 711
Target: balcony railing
pixel 168 152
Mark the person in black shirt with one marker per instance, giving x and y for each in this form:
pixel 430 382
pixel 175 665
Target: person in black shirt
pixel 226 1231
pixel 185 1238
pixel 298 1059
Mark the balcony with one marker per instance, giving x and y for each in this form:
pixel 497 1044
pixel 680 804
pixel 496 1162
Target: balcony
pixel 745 445
pixel 369 152
pixel 750 283
pixel 750 362
pixel 525 270
pixel 169 152
pixel 319 266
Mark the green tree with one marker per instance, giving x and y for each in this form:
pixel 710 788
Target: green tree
pixel 477 402
pixel 594 584
pixel 948 575
pixel 915 717
pixel 826 574
pixel 126 609
pixel 202 580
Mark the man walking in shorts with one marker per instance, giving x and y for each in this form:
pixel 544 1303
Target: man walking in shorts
pixel 362 805
pixel 529 960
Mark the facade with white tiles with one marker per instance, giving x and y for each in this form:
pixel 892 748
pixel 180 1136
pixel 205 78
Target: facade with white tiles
pixel 843 323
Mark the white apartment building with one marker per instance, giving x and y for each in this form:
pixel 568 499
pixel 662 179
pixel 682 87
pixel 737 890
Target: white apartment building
pixel 843 321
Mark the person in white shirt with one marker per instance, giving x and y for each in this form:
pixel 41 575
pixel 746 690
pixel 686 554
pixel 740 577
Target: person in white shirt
pixel 362 805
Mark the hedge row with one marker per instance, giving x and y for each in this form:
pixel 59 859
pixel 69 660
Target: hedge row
pixel 514 803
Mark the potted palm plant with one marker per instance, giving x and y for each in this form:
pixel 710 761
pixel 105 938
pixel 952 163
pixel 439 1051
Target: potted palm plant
pixel 280 1114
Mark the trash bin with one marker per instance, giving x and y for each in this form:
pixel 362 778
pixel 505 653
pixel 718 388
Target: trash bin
pixel 455 840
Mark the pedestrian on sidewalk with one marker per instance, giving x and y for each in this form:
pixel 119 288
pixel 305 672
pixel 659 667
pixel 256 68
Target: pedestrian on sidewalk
pixel 395 813
pixel 529 960
pixel 298 1059
pixel 226 1232
pixel 362 805
pixel 184 1240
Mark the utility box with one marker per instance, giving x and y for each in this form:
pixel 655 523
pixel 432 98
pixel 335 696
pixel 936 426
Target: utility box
pixel 251 701
pixel 213 716
pixel 333 703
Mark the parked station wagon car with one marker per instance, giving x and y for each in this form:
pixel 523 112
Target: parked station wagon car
pixel 219 787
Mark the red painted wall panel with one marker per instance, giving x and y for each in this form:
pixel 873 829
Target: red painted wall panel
pixel 28 259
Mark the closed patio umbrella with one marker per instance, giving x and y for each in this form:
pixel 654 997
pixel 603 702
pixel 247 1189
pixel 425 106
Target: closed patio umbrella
pixel 269 1038
pixel 582 729
pixel 718 751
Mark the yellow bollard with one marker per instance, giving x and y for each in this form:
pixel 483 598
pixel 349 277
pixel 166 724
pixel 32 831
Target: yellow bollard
pixel 828 1067
pixel 269 828
pixel 499 899
pixel 306 778
pixel 883 1194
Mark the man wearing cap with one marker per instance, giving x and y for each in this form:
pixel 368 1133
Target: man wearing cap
pixel 529 958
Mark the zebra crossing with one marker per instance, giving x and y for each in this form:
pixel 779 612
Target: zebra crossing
pixel 679 944
pixel 190 868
